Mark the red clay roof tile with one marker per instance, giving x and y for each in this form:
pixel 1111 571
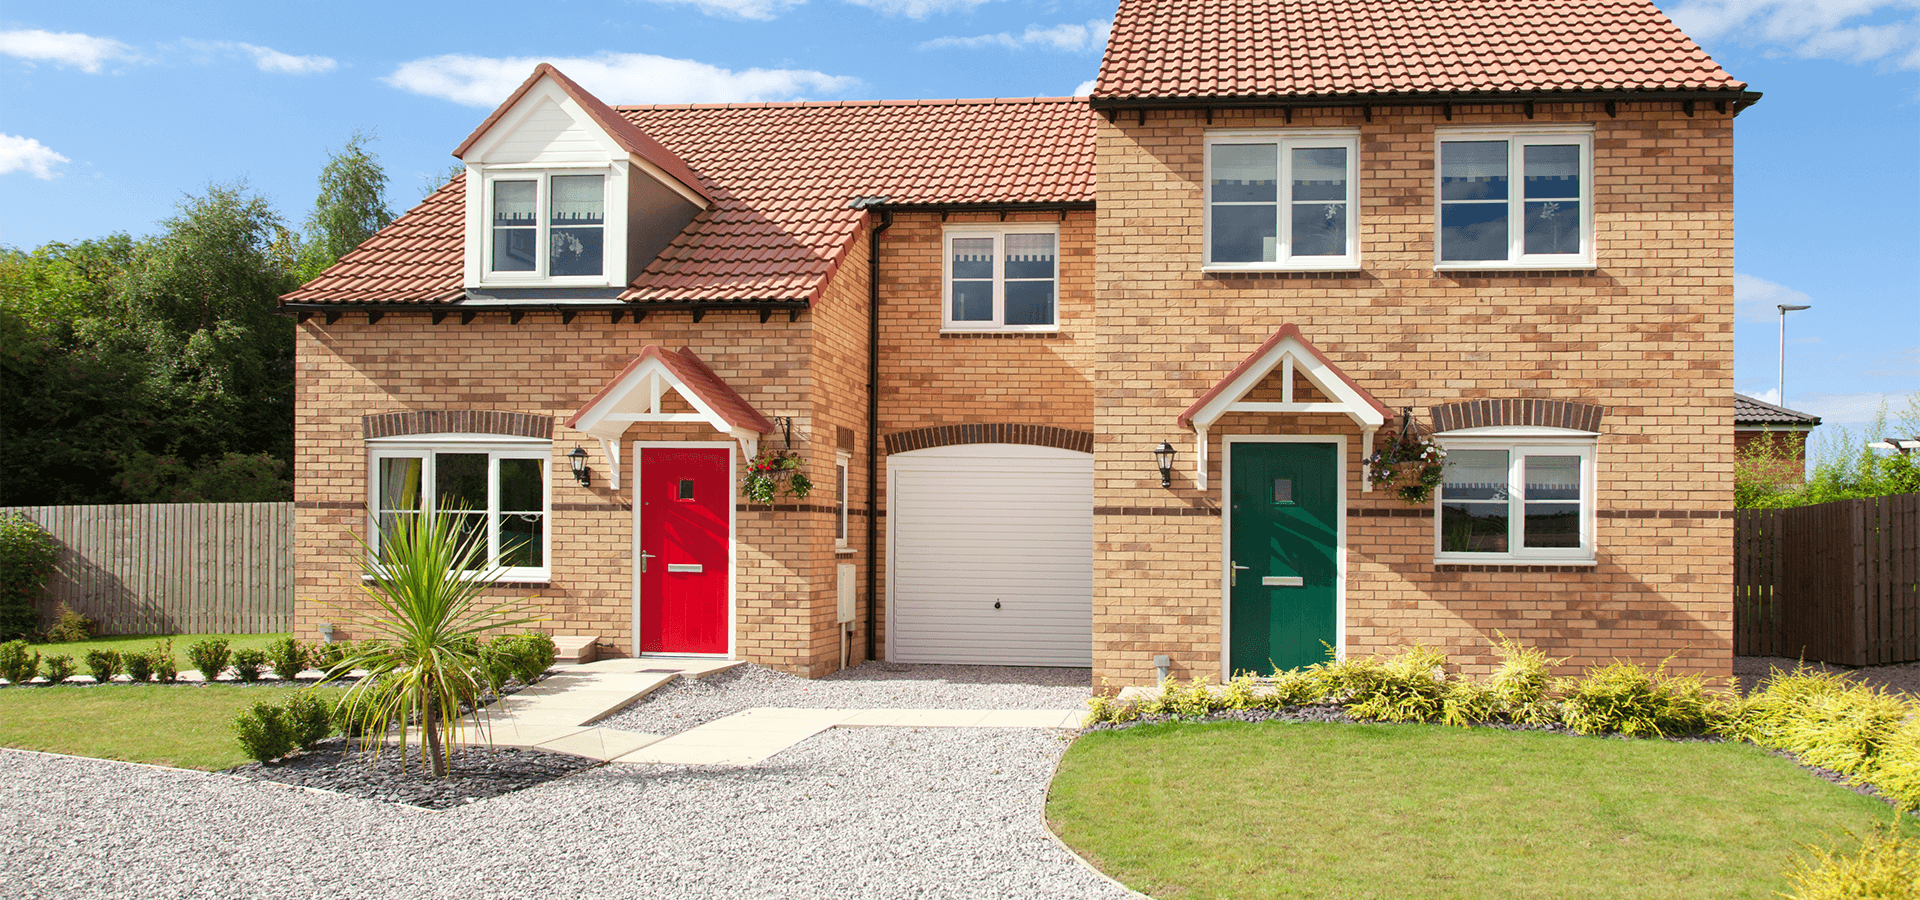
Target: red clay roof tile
pixel 1247 49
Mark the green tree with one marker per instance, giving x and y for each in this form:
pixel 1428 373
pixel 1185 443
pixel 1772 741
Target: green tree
pixel 1844 466
pixel 351 207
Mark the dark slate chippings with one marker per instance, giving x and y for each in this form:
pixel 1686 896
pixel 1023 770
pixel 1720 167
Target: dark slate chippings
pixel 478 773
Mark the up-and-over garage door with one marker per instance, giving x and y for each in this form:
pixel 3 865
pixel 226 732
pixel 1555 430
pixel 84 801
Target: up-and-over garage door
pixel 990 556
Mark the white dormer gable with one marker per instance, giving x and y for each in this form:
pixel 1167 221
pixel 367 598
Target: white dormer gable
pixel 562 192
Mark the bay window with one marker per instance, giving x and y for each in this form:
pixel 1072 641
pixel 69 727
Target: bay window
pixel 1001 278
pixel 546 226
pixel 1522 494
pixel 1515 200
pixel 497 490
pixel 1282 200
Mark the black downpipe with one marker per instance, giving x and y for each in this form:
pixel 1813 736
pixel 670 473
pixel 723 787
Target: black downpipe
pixel 873 426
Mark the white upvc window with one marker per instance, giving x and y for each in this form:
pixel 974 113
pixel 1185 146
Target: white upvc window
pixel 840 495
pixel 1516 494
pixel 1001 278
pixel 498 488
pixel 1514 199
pixel 545 226
pixel 1281 200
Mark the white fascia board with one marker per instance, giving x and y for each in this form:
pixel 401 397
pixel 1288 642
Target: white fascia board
pixel 1345 398
pixel 540 93
pixel 611 418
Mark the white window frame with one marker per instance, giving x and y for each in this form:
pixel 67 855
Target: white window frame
pixel 542 176
pixel 1517 139
pixel 1521 441
pixel 496 447
pixel 842 500
pixel 999 234
pixel 1286 140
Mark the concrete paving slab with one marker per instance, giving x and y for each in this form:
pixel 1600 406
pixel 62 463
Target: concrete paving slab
pixel 599 743
pixel 873 718
pixel 1024 718
pixel 941 718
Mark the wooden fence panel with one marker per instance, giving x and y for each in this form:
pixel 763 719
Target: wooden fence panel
pixel 1837 582
pixel 173 567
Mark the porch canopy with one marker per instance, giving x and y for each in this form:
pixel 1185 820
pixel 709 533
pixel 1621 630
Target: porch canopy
pixel 1290 353
pixel 635 394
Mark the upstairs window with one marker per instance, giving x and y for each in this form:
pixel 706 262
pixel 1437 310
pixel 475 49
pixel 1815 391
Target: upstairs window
pixel 1515 200
pixel 547 226
pixel 1001 279
pixel 1282 200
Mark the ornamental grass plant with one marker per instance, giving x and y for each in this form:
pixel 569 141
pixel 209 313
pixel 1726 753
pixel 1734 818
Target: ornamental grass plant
pixel 426 585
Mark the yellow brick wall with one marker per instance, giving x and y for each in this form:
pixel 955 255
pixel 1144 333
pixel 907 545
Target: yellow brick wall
pixel 1647 334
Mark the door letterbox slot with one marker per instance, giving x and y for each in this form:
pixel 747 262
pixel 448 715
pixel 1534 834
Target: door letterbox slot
pixel 1282 581
pixel 685 567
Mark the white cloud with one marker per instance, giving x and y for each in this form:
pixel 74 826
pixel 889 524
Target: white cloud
pixel 1756 299
pixel 22 154
pixel 761 10
pixel 1069 37
pixel 917 9
pixel 271 60
pixel 613 77
pixel 1845 409
pixel 1811 29
pixel 83 51
pixel 1084 88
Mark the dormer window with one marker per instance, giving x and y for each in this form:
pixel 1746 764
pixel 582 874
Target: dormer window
pixel 547 225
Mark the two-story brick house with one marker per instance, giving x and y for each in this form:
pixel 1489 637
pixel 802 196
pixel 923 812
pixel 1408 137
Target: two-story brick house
pixel 1276 235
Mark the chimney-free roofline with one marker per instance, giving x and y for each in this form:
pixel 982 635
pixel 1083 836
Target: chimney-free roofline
pixel 639 310
pixel 1738 100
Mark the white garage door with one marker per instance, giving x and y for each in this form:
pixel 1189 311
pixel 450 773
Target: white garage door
pixel 990 556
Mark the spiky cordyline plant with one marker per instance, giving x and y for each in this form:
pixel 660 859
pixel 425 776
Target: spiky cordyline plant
pixel 427 586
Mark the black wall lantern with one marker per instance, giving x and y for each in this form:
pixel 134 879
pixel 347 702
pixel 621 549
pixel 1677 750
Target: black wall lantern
pixel 579 460
pixel 1163 455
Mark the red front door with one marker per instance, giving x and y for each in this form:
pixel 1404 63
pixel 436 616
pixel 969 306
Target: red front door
pixel 686 496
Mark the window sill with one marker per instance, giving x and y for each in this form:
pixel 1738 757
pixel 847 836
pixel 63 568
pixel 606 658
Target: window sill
pixel 538 579
pixel 1493 266
pixel 1500 559
pixel 998 333
pixel 1516 566
pixel 1351 267
pixel 844 551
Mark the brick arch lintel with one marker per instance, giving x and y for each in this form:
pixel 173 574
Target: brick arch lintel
pixel 457 421
pixel 1517 411
pixel 989 433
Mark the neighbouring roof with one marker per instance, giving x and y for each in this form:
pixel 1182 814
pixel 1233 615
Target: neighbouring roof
pixel 1748 411
pixel 782 176
pixel 1248 49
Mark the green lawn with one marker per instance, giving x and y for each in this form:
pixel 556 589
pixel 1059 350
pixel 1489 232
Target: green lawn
pixel 141 643
pixel 178 725
pixel 1237 810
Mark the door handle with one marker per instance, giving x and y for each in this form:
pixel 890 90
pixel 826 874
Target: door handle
pixel 644 556
pixel 1233 577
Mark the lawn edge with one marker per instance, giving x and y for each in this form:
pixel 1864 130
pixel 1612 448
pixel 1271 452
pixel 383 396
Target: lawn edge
pixel 1047 826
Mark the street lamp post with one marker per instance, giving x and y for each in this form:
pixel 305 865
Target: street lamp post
pixel 1784 309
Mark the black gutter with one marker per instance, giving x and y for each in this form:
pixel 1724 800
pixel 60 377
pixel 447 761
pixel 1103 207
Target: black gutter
pixel 1739 99
pixel 873 415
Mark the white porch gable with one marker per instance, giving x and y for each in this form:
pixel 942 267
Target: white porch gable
pixel 1290 353
pixel 635 394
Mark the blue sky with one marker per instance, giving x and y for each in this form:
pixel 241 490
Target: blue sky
pixel 111 112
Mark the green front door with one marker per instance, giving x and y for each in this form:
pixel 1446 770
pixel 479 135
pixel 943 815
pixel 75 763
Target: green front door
pixel 1284 575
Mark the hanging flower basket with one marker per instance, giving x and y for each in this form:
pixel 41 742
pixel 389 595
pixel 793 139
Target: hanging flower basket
pixel 1411 464
pixel 774 473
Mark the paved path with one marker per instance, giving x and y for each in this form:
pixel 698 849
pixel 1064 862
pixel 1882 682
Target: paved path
pixel 558 715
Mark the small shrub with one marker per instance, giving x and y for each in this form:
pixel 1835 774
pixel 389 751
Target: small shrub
pixel 1522 686
pixel 358 726
pixel 103 664
pixel 17 663
pixel 532 655
pixel 311 719
pixel 69 626
pixel 247 663
pixel 1468 703
pixel 1346 680
pixel 1295 687
pixel 327 656
pixel 263 731
pixel 1627 699
pixel 1887 865
pixel 57 668
pixel 27 557
pixel 210 656
pixel 288 658
pixel 496 665
pixel 1411 687
pixel 1102 708
pixel 138 666
pixel 165 669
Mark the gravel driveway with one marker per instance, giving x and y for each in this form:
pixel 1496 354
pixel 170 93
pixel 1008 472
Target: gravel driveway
pixel 867 812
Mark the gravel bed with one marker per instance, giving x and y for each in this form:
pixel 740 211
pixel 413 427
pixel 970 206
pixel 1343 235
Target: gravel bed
pixel 1903 677
pixel 852 813
pixel 686 703
pixel 478 773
